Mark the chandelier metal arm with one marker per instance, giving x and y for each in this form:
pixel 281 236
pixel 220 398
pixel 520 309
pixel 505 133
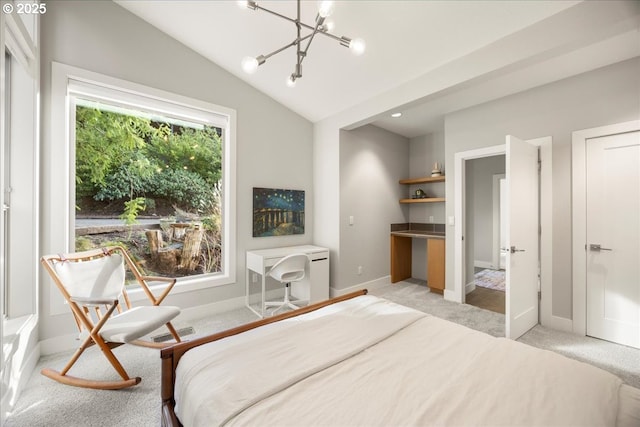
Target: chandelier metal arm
pixel 293 43
pixel 299 56
pixel 251 64
pixel 315 31
pixel 308 27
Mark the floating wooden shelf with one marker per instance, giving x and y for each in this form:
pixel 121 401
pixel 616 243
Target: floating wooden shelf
pixel 425 200
pixel 421 180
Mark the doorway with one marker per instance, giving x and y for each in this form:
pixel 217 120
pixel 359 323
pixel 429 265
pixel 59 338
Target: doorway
pixel 531 303
pixel 485 277
pixel 606 182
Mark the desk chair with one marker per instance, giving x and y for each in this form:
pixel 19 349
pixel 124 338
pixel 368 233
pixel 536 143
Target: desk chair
pixel 289 269
pixel 93 285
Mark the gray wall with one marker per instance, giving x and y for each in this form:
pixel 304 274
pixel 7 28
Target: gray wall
pixel 274 145
pixel 601 97
pixel 424 151
pixel 372 161
pixel 479 210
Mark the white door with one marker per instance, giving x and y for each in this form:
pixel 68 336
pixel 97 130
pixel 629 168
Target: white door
pixel 522 237
pixel 613 238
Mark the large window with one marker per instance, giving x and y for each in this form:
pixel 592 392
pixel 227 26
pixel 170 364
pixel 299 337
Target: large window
pixel 146 169
pixel 151 183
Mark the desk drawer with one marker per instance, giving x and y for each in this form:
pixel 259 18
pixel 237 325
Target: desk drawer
pixel 319 256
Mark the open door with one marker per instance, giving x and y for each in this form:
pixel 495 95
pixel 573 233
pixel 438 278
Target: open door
pixel 522 247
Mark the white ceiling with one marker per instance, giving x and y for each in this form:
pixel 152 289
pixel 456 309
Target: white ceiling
pixel 405 40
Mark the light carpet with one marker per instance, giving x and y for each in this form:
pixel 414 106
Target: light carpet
pixel 47 403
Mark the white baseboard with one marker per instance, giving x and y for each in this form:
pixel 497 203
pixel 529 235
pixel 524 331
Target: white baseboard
pixel 450 295
pixel 18 369
pixel 484 264
pixel 12 394
pixel 201 311
pixel 469 287
pixel 59 344
pixel 5 404
pixel 559 323
pixel 370 285
pixel 27 368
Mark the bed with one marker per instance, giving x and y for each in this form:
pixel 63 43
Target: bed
pixel 363 360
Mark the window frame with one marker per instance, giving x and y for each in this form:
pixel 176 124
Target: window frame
pixel 68 82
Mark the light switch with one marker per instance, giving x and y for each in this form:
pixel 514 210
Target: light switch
pixel 452 220
pixel 351 220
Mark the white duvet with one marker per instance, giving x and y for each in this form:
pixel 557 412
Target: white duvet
pixel 370 362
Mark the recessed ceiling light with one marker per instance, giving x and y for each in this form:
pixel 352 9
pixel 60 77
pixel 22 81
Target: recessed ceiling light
pixel 396 115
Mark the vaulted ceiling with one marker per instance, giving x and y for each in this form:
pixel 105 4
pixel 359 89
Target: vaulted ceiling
pixel 406 41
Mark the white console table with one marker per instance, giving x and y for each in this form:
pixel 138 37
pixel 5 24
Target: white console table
pixel 315 285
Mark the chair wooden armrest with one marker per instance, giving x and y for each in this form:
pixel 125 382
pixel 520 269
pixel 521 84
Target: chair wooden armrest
pixel 93 301
pixel 146 283
pixel 144 279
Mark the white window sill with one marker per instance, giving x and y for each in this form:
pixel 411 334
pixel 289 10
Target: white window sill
pixel 184 284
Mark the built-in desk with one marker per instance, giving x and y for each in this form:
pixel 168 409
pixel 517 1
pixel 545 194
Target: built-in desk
pixel 401 243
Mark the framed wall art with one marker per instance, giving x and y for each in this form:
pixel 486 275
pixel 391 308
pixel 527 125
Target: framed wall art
pixel 277 212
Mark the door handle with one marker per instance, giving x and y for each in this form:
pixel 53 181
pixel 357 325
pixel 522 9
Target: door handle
pixel 598 247
pixel 512 249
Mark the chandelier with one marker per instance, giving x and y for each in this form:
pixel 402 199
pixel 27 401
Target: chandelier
pixel 302 42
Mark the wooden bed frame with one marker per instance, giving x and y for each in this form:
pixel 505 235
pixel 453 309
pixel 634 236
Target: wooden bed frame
pixel 171 355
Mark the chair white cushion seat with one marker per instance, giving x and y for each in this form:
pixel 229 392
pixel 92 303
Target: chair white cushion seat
pixel 137 322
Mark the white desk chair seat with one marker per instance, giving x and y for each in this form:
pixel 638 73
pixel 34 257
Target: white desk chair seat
pixel 289 269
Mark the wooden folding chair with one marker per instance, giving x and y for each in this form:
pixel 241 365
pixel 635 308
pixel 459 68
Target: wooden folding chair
pixel 93 284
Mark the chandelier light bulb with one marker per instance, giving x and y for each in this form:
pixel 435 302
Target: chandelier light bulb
pixel 325 8
pixel 291 81
pixel 247 4
pixel 249 64
pixel 357 46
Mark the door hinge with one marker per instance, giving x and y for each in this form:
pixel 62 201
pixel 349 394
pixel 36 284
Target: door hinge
pixel 539 160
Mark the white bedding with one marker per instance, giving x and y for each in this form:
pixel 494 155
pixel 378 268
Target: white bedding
pixel 367 362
